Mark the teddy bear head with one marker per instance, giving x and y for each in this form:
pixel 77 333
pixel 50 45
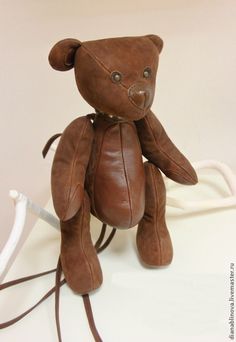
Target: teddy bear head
pixel 115 76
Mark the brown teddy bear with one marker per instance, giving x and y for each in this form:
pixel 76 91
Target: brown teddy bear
pixel 98 166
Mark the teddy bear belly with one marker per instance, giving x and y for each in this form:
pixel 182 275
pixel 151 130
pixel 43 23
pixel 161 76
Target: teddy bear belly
pixel 118 197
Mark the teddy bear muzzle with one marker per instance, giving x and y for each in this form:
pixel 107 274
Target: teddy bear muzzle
pixel 141 95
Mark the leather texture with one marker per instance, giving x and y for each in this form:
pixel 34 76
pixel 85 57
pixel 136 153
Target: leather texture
pixel 95 61
pixel 160 150
pixel 115 176
pixel 69 167
pixel 153 238
pixel 98 164
pixel 61 57
pixel 79 259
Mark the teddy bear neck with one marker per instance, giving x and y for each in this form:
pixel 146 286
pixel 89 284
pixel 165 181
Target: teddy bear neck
pixel 109 117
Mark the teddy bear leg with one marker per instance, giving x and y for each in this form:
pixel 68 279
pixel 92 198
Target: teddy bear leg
pixel 79 259
pixel 153 239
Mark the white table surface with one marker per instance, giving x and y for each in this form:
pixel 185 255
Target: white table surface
pixel 186 301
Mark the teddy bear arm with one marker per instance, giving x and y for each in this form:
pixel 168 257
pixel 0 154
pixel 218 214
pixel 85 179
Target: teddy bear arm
pixel 69 167
pixel 160 150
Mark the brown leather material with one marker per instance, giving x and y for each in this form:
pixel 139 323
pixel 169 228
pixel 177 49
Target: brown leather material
pixel 160 150
pixel 57 299
pixel 89 313
pixel 117 77
pixel 56 289
pixel 49 143
pixel 69 167
pixel 95 61
pixel 157 41
pixel 115 177
pixel 108 240
pixel 79 259
pixel 153 239
pixel 141 95
pixel 22 280
pixel 61 56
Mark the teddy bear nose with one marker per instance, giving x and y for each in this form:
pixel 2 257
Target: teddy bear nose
pixel 141 95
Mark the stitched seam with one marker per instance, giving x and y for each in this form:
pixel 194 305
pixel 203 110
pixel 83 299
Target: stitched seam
pixel 74 193
pixel 141 110
pixel 72 167
pixel 157 211
pixel 163 152
pixel 177 174
pixel 83 250
pixel 132 101
pixel 126 176
pixel 71 172
pixel 97 165
pixel 104 67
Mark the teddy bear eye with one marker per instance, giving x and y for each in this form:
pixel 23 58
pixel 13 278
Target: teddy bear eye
pixel 147 73
pixel 116 76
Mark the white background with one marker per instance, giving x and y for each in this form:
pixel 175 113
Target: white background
pixel 195 97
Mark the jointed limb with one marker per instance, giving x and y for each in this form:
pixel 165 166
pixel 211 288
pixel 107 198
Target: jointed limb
pixel 79 259
pixel 160 150
pixel 69 167
pixel 153 239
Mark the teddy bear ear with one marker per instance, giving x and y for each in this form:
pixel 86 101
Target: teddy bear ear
pixel 157 41
pixel 61 56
